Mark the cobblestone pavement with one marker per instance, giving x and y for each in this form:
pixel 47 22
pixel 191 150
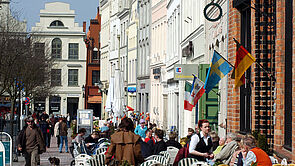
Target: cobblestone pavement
pixel 65 158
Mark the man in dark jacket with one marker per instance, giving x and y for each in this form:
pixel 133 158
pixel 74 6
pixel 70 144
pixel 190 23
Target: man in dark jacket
pixel 30 142
pixel 172 142
pixel 63 133
pixel 160 144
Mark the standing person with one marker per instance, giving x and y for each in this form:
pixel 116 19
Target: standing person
pixel 44 126
pixel 63 133
pixel 125 145
pixel 56 131
pixel 160 143
pixel 68 120
pixel 30 142
pixel 140 129
pixel 201 143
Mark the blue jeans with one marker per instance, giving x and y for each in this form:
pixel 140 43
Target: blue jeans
pixel 62 139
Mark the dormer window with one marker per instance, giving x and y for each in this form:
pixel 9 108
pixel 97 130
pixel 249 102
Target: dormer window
pixel 56 23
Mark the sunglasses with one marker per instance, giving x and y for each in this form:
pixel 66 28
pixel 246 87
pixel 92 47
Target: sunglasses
pixel 29 121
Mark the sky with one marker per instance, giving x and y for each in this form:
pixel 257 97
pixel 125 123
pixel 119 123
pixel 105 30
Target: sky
pixel 30 10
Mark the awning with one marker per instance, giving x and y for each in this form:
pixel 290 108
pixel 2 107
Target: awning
pixel 94 99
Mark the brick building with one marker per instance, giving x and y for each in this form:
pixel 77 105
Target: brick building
pixel 93 97
pixel 265 104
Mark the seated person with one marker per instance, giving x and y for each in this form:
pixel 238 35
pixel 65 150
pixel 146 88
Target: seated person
pixel 92 139
pixel 215 140
pixel 221 145
pixel 149 136
pixel 79 137
pixel 172 142
pixel 254 154
pixel 104 127
pixel 160 144
pixel 228 150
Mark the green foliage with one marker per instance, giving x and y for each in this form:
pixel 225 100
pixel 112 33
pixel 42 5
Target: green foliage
pixel 74 128
pixel 261 141
pixel 125 163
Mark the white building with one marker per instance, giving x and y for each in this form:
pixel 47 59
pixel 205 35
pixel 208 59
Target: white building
pixel 7 21
pixel 173 57
pixel 159 100
pixel 132 53
pixel 143 59
pixel 217 39
pixel 58 30
pixel 105 49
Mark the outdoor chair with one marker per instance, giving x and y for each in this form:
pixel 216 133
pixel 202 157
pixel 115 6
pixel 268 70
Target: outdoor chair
pixel 172 153
pixel 101 150
pixel 187 161
pixel 97 160
pixel 161 159
pixel 151 163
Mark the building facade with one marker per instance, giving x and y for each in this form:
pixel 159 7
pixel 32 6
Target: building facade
pixel 143 60
pixel 104 51
pixel 93 97
pixel 265 103
pixel 216 39
pixel 132 54
pixel 7 21
pixel 173 57
pixel 158 103
pixel 65 40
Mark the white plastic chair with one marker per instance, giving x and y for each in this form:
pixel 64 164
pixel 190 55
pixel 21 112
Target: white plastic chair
pixel 172 153
pixel 187 161
pixel 83 159
pixel 151 163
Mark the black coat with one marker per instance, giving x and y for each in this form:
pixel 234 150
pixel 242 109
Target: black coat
pixel 159 147
pixel 174 144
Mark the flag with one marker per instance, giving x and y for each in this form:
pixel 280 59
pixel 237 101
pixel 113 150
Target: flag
pixel 219 68
pixel 243 61
pixel 193 93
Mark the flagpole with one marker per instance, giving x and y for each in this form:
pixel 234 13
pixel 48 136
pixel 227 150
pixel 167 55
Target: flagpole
pixel 225 59
pixel 257 62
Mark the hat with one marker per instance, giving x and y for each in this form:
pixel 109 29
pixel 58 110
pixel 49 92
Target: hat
pixel 142 121
pixel 29 118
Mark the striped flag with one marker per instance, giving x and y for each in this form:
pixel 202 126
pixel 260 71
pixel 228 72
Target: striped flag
pixel 243 61
pixel 193 93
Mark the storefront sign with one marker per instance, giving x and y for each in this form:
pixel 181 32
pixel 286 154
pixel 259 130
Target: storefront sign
pixel 131 89
pixel 184 72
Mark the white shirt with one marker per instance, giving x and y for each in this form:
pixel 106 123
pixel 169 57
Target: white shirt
pixel 195 140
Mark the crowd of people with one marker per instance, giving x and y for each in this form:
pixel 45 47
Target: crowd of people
pixel 133 144
pixel 142 141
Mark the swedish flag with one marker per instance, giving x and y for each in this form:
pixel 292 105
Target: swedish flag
pixel 218 69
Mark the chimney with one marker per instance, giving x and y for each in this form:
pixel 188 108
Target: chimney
pixel 84 26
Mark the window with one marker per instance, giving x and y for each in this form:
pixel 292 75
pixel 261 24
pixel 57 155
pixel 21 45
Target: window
pixel 39 49
pixel 73 77
pixel 56 23
pixel 56 48
pixel 94 55
pixel 55 77
pixel 73 50
pixel 95 77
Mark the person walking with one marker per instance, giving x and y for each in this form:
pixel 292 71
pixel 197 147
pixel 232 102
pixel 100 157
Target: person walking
pixel 63 133
pixel 56 131
pixel 125 146
pixel 30 142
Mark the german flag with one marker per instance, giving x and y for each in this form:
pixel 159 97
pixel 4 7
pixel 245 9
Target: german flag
pixel 243 61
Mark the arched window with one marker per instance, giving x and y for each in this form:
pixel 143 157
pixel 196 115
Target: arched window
pixel 56 48
pixel 56 23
